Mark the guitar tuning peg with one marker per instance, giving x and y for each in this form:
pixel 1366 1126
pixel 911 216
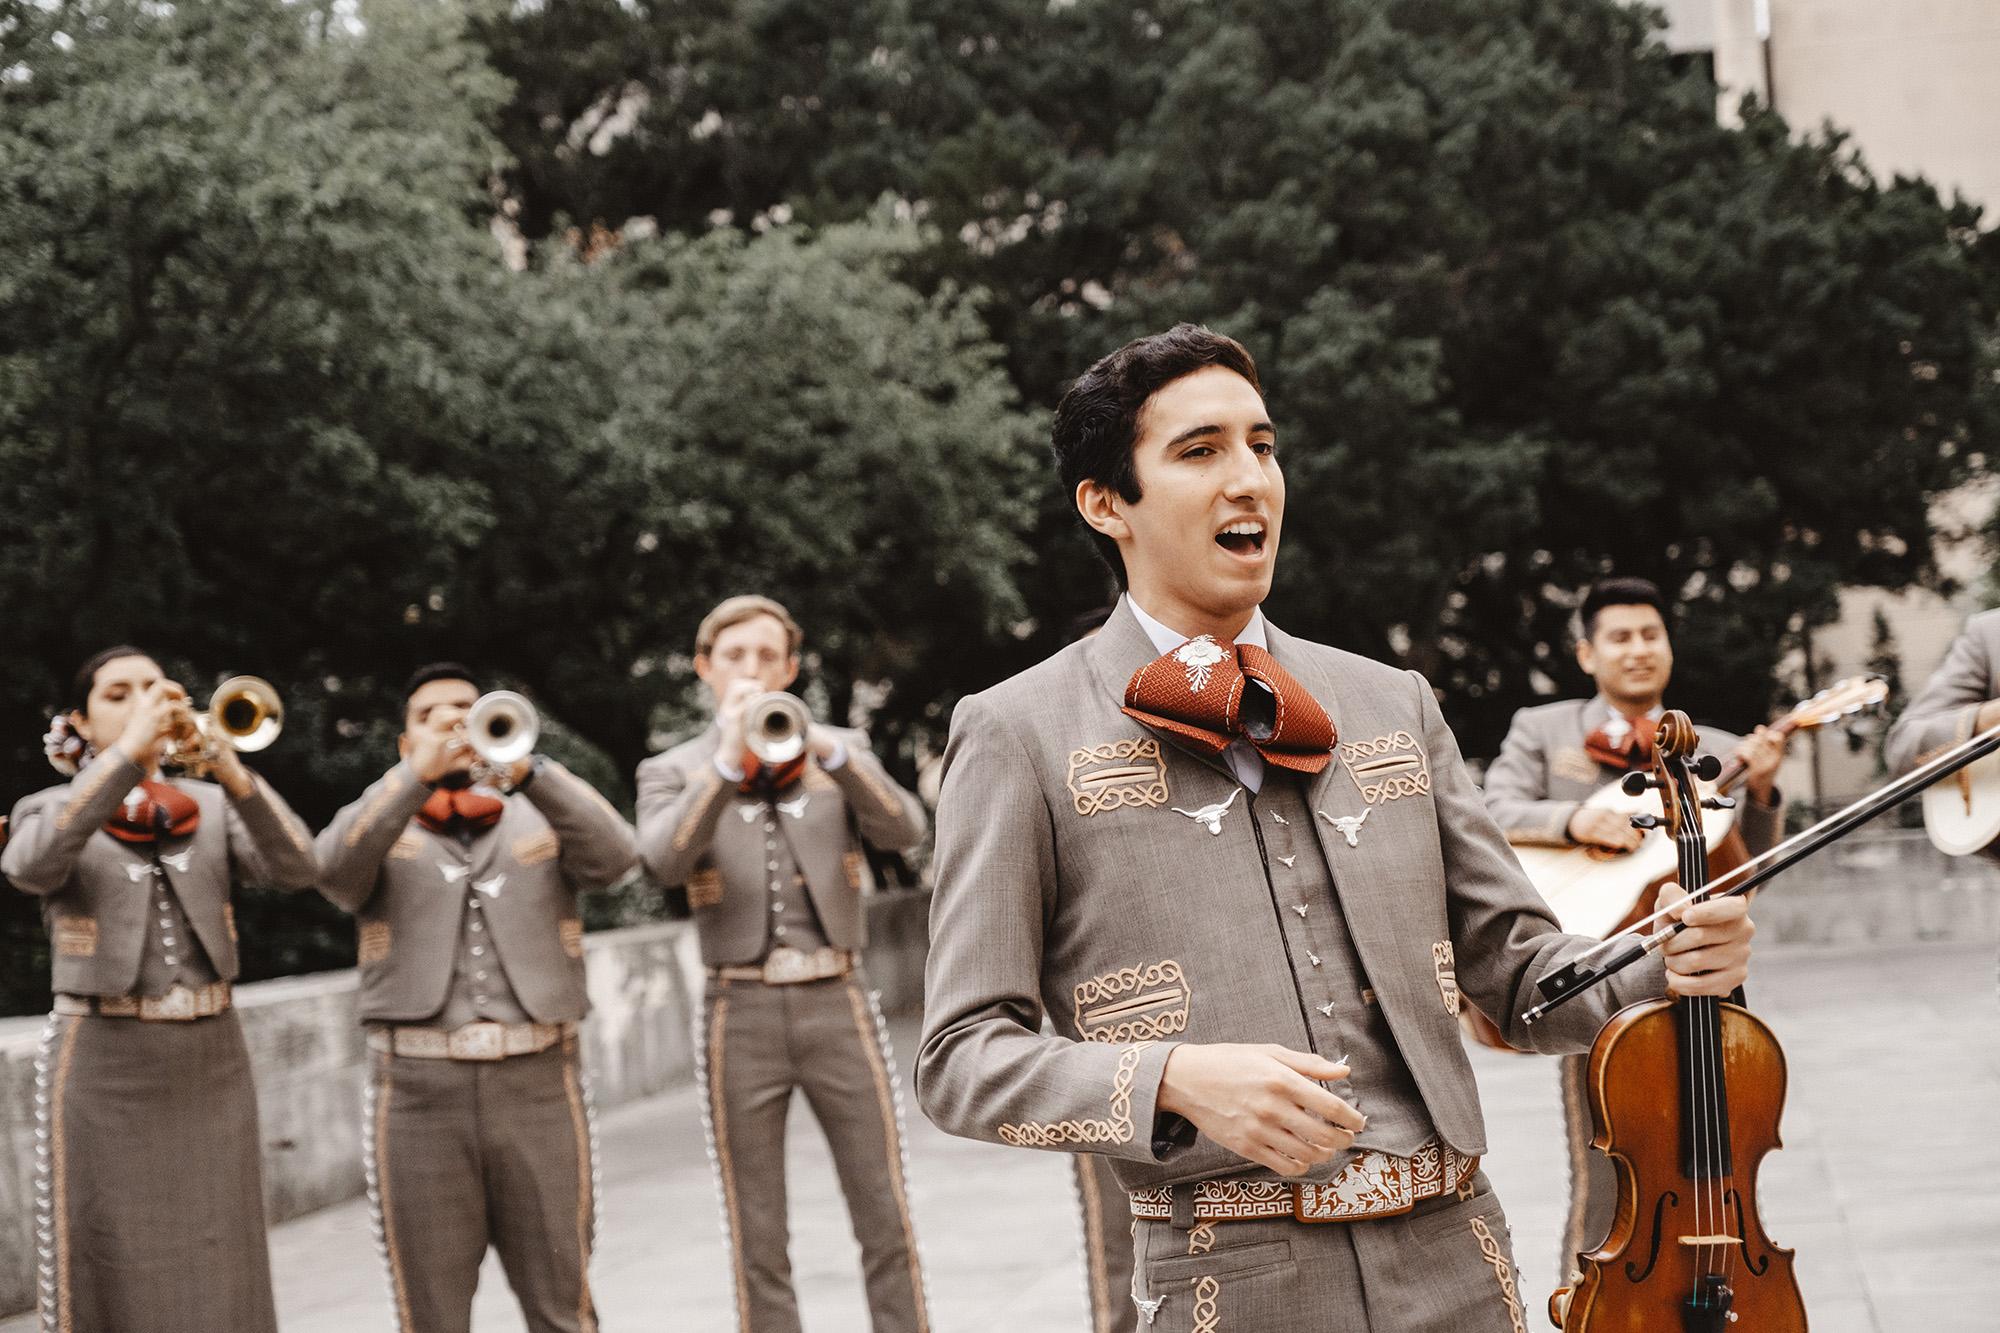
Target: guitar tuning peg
pixel 1647 821
pixel 1718 802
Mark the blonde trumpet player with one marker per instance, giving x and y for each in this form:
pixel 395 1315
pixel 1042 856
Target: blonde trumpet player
pixel 762 817
pixel 149 1198
pixel 463 865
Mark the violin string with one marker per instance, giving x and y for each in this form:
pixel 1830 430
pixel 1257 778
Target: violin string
pixel 1693 1063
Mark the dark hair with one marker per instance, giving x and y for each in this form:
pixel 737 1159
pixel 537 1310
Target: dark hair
pixel 1086 623
pixel 424 675
pixel 1619 592
pixel 1097 422
pixel 86 675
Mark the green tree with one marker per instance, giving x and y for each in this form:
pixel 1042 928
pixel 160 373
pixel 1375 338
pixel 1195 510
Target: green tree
pixel 1528 313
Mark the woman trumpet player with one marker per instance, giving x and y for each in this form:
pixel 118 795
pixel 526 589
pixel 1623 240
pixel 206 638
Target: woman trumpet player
pixel 149 1202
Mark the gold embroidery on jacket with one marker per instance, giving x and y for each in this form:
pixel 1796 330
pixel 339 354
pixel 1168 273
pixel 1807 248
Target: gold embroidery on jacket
pixel 83 789
pixel 1387 768
pixel 1202 1239
pixel 1133 1004
pixel 1574 763
pixel 408 847
pixel 1115 774
pixel 855 866
pixel 570 931
pixel 711 788
pixel 1444 964
pixel 392 787
pixel 374 945
pixel 1502 1270
pixel 229 920
pixel 76 936
pixel 704 887
pixel 1116 1129
pixel 881 793
pixel 536 848
pixel 1206 1289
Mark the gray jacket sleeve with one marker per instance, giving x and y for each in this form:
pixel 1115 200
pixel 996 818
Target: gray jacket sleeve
pixel 351 848
pixel 597 846
pixel 986 1070
pixel 677 812
pixel 1504 937
pixel 270 846
pixel 890 819
pixel 1517 790
pixel 48 830
pixel 1945 710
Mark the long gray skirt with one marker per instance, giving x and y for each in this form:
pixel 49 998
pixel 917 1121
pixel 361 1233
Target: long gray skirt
pixel 150 1202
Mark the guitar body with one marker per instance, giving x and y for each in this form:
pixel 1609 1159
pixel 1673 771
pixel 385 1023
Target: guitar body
pixel 1593 891
pixel 1962 813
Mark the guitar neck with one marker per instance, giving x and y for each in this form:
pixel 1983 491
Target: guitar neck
pixel 1734 770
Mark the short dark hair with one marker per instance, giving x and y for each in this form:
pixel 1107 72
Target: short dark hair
pixel 1086 623
pixel 1097 421
pixel 86 675
pixel 424 675
pixel 1619 592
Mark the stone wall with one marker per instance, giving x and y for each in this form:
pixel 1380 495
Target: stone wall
pixel 306 1047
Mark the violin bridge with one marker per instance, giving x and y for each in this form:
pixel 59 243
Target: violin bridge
pixel 1710 1240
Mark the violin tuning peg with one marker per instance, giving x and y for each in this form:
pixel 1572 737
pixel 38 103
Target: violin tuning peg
pixel 1638 784
pixel 1718 802
pixel 1706 767
pixel 1647 821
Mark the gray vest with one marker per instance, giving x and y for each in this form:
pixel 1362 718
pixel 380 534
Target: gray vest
pixel 1336 1001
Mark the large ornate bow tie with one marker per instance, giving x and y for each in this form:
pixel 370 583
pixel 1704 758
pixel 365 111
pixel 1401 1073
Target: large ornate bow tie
pixel 449 809
pixel 154 810
pixel 1211 694
pixel 1626 747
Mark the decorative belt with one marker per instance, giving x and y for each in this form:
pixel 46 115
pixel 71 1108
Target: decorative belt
pixel 786 966
pixel 474 1041
pixel 1375 1184
pixel 180 1004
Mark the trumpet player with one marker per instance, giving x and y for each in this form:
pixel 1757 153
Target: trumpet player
pixel 463 870
pixel 149 1195
pixel 762 817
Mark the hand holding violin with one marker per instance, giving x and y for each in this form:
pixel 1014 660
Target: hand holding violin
pixel 1712 956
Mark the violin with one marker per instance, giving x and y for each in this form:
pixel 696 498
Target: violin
pixel 1686 1096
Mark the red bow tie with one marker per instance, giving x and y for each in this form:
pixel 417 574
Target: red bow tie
pixel 160 810
pixel 761 781
pixel 449 808
pixel 1198 693
pixel 1634 750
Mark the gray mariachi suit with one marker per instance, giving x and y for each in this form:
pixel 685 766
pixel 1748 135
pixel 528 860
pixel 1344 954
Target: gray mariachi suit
pixel 1134 891
pixel 1946 709
pixel 1540 777
pixel 478 933
pixel 788 873
pixel 141 1120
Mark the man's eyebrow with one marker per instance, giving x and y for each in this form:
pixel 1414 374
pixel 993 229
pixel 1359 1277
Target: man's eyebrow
pixel 1193 432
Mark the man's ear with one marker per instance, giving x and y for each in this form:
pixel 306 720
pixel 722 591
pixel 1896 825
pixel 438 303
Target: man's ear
pixel 1102 508
pixel 791 672
pixel 1586 657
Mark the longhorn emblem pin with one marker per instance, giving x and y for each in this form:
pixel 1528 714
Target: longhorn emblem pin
pixel 1210 816
pixel 1349 826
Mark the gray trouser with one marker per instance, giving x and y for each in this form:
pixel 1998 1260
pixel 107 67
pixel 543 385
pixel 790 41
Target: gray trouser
pixel 1107 1246
pixel 758 1043
pixel 467 1154
pixel 1593 1181
pixel 1445 1265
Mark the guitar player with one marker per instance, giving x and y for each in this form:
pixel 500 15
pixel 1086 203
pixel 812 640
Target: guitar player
pixel 1557 755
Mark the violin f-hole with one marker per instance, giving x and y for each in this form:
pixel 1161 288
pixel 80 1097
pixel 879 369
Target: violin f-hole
pixel 1762 1261
pixel 1660 1205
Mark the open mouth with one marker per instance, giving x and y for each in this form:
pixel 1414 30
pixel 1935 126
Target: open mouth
pixel 1244 539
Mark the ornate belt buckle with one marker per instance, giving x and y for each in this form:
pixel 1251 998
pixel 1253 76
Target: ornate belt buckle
pixel 478 1041
pixel 786 966
pixel 177 1005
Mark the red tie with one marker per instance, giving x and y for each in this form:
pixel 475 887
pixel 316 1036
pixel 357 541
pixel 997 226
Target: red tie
pixel 761 781
pixel 448 808
pixel 162 810
pixel 1635 751
pixel 1197 692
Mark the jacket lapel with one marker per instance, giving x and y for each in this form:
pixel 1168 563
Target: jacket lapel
pixel 1116 653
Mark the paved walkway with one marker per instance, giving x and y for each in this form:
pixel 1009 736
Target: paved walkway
pixel 1888 1185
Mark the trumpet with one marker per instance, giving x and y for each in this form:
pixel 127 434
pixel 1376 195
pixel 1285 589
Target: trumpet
pixel 501 729
pixel 245 714
pixel 775 726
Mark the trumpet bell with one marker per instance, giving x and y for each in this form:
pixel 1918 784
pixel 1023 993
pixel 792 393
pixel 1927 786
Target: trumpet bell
pixel 774 727
pixel 245 711
pixel 502 727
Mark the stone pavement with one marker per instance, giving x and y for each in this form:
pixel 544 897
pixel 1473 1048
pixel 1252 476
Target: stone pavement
pixel 1888 1185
